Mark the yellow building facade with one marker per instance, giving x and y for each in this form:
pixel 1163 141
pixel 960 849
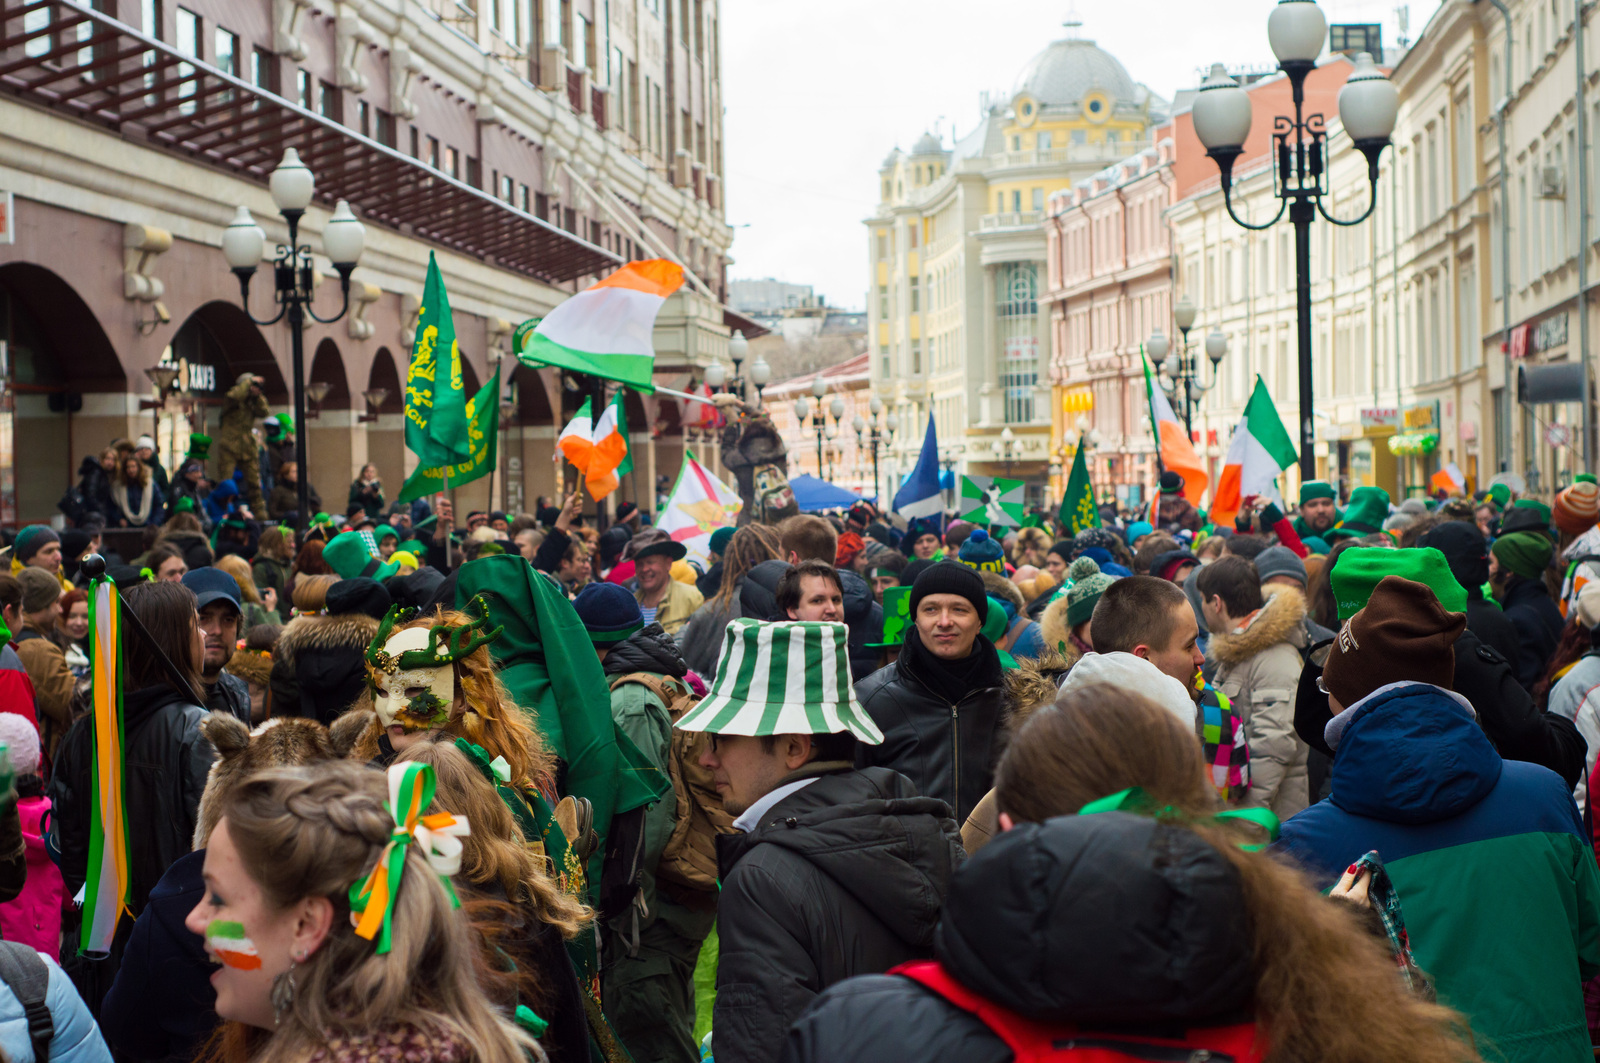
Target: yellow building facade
pixel 958 326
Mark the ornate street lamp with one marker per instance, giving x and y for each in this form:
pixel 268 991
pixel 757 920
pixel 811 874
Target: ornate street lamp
pixel 343 240
pixel 1368 106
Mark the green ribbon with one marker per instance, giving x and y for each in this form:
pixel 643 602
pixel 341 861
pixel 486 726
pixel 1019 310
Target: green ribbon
pixel 411 788
pixel 1135 800
pixel 531 1022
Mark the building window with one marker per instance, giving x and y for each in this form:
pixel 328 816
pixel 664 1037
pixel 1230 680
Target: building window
pixel 1016 201
pixel 385 128
pixel 187 40
pixel 1016 299
pixel 883 302
pixel 364 117
pixel 1038 199
pixel 474 172
pixel 916 354
pixel 263 72
pixel 433 151
pixel 522 198
pixel 302 88
pixel 328 101
pixel 226 46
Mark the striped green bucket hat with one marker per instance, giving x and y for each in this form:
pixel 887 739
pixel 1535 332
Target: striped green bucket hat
pixel 789 677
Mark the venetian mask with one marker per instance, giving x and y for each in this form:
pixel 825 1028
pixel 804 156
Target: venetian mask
pixel 417 698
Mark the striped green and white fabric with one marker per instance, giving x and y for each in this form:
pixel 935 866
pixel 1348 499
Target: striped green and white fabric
pixel 788 677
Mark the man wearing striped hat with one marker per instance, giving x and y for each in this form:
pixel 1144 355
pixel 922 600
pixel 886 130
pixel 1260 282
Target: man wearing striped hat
pixel 831 871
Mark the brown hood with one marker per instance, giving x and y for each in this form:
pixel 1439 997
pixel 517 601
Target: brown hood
pixel 319 631
pixel 1054 630
pixel 1281 619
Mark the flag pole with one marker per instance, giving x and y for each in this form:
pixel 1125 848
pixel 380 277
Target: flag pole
pixel 601 505
pixel 445 489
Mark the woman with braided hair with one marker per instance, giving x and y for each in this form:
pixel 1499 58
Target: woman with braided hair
pixel 336 928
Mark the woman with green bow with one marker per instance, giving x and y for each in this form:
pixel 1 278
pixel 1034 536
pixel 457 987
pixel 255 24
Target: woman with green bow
pixel 329 907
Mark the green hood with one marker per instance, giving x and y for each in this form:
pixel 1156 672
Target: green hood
pixel 571 704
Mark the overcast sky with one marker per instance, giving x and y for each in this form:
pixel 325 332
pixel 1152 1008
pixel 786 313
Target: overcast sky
pixel 818 93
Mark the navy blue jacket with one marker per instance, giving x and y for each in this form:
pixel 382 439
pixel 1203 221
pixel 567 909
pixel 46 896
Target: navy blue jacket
pixel 1537 622
pixel 161 1007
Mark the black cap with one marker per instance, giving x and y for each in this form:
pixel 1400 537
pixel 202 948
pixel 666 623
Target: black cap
pixel 359 595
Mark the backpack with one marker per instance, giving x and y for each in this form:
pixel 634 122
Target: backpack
pixel 28 977
pixel 690 858
pixel 1038 1042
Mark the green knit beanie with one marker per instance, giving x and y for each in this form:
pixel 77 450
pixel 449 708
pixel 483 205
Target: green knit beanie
pixel 1087 584
pixel 1358 570
pixel 1312 489
pixel 1524 552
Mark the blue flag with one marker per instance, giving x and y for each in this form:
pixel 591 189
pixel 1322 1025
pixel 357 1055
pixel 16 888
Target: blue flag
pixel 920 497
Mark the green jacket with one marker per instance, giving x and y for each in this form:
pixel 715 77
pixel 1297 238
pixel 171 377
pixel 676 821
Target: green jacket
pixel 1489 859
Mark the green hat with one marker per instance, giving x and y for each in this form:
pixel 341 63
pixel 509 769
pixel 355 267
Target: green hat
pixel 1316 544
pixel 1368 509
pixel 1359 569
pixel 719 540
pixel 1500 495
pixel 896 617
pixel 415 547
pixel 348 555
pixel 199 447
pixel 787 677
pixel 1085 585
pixel 383 530
pixel 1317 489
pixel 1524 552
pixel 994 629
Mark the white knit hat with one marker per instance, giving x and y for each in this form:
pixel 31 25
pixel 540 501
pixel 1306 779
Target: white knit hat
pixel 1136 674
pixel 21 738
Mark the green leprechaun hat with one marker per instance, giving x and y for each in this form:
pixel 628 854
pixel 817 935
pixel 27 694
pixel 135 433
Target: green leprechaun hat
pixel 788 677
pixel 199 447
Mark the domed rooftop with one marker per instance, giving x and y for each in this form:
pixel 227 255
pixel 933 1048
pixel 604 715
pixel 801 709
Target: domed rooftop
pixel 928 144
pixel 1065 72
pixel 890 159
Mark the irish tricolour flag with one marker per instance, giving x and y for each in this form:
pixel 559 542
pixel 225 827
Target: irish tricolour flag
pixel 1260 450
pixel 1172 441
pixel 605 330
pixel 599 449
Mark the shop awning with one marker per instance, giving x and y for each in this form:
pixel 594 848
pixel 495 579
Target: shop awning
pixel 86 64
pixel 812 494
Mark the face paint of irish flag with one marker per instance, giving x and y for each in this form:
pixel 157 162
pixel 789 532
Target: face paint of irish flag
pixel 227 940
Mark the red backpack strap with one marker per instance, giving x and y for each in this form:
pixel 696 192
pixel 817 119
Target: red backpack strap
pixel 1029 1041
pixel 1034 1042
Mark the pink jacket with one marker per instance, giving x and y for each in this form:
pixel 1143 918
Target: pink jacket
pixel 34 918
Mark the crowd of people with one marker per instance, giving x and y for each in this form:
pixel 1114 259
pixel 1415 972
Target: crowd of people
pixel 1308 786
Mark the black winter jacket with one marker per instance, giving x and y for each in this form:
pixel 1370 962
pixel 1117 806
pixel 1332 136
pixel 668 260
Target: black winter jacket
pixel 166 759
pixel 1093 921
pixel 946 748
pixel 319 667
pixel 841 878
pixel 1506 711
pixel 1537 622
pixel 162 1006
pixel 649 650
pixel 1488 621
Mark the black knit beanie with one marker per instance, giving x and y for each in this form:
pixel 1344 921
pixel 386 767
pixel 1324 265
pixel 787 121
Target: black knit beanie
pixel 950 577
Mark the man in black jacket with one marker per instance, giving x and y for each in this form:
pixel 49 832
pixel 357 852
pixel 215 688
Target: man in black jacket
pixel 1467 551
pixel 1506 712
pixel 941 703
pixel 831 871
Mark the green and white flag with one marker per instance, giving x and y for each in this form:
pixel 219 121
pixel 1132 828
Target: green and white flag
pixel 436 397
pixel 992 501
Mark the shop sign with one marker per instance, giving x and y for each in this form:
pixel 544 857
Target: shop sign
pixel 8 219
pixel 1550 333
pixel 1380 417
pixel 1423 418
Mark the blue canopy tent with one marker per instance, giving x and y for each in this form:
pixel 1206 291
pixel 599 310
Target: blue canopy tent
pixel 813 494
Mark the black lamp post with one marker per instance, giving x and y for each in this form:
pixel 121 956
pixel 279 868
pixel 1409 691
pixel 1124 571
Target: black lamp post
pixel 1368 106
pixel 343 239
pixel 1181 367
pixel 875 436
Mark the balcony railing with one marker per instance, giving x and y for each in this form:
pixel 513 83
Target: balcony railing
pixel 1024 219
pixel 1103 152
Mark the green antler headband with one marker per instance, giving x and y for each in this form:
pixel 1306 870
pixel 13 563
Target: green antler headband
pixel 446 644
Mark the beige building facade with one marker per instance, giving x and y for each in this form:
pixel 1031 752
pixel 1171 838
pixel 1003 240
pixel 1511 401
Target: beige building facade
pixel 531 145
